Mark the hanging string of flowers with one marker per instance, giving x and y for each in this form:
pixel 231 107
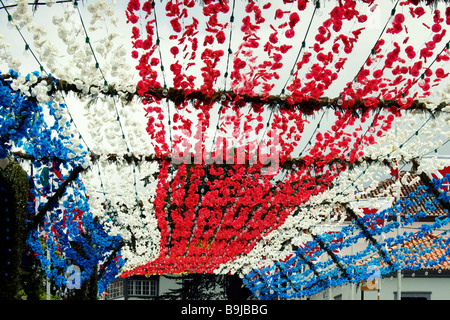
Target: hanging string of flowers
pixel 217 196
pixel 300 184
pixel 295 278
pixel 69 233
pixel 323 212
pixel 72 236
pixel 24 125
pixel 171 8
pixel 50 157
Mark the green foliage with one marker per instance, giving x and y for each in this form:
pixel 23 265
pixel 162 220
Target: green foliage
pixel 13 201
pixel 32 278
pixel 200 286
pixel 88 290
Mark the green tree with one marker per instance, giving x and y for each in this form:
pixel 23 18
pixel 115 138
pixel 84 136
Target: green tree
pixel 14 188
pixel 199 286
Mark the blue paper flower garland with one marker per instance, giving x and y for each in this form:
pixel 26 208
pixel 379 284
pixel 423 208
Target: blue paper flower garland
pixel 70 235
pixel 304 275
pixel 22 124
pixel 17 115
pixel 74 237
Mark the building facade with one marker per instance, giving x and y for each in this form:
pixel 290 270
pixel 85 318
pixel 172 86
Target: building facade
pixel 140 287
pixel 432 280
pixel 429 282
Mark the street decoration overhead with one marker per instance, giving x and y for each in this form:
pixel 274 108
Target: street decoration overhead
pixel 240 126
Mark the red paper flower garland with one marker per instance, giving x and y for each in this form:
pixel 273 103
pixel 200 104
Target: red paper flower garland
pixel 210 214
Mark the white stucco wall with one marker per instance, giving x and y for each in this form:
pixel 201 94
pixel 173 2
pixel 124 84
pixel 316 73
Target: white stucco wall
pixel 438 287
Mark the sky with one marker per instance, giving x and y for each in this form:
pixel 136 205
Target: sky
pixel 111 39
pixel 134 116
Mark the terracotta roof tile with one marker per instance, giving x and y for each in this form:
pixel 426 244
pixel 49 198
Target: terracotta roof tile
pixel 428 243
pixel 385 188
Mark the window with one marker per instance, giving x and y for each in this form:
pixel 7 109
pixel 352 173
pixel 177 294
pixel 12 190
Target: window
pixel 115 289
pixel 414 295
pixel 142 288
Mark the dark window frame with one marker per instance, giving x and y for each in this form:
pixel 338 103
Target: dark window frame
pixel 414 295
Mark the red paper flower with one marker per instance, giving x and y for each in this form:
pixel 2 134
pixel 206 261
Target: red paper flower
pixel 239 64
pixel 231 200
pixel 378 73
pixel 410 52
pixel 174 50
pixel 176 26
pixel 440 73
pixel 273 38
pixel 436 27
pixel 399 18
pixel 131 17
pixel 220 36
pixel 133 5
pixel 419 11
pixel 209 39
pixel 285 48
pixel 279 14
pixel 301 4
pixel 293 19
pixel 154 62
pixel 362 18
